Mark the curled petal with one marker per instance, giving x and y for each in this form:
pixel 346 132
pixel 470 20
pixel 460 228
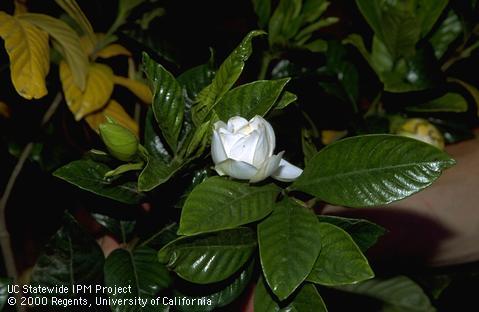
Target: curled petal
pixel 262 151
pixel 217 150
pixel 287 172
pixel 244 148
pixel 259 122
pixel 236 169
pixel 235 123
pixel 268 167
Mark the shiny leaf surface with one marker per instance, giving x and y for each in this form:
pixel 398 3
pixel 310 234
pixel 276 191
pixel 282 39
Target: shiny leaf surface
pixel 372 170
pixel 289 244
pixel 306 300
pixel 209 258
pixel 340 261
pixel 225 204
pixel 264 300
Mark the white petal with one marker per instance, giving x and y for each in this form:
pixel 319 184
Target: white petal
pixel 244 148
pixel 262 151
pixel 219 125
pixel 229 140
pixel 261 123
pixel 217 150
pixel 236 169
pixel 235 123
pixel 287 172
pixel 268 167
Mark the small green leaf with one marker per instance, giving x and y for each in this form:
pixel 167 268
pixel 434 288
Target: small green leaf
pixel 71 257
pixel 289 243
pixel 264 299
pixel 251 99
pixel 364 233
pixel 399 294
pixel 89 175
pixel 168 104
pixel 140 271
pixel 473 91
pixel 340 261
pixel 306 300
pixel 262 9
pixel 209 258
pixel 224 79
pixel 122 229
pixel 4 283
pixel 372 170
pixel 285 99
pixel 225 204
pixel 285 22
pixel 220 295
pixel 446 33
pixel 451 102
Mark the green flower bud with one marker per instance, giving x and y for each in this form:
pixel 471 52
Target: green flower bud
pixel 120 142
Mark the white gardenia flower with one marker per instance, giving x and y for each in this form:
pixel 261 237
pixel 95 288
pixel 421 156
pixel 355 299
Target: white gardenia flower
pixel 244 149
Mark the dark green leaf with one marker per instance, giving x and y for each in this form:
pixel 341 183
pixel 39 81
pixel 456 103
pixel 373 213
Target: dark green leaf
pixel 138 269
pixel 364 233
pixel 372 170
pixel 249 100
pixel 451 102
pixel 446 33
pixel 166 235
pixel 153 142
pixel 399 294
pixel 71 257
pixel 89 175
pixel 340 261
pixel 168 104
pixel 263 11
pixel 120 228
pixel 306 300
pixel 285 99
pixel 285 22
pixel 473 91
pixel 219 296
pixel 225 204
pixel 309 148
pixel 209 258
pixel 4 282
pixel 224 79
pixel 196 79
pixel 264 300
pixel 289 243
pixel 156 172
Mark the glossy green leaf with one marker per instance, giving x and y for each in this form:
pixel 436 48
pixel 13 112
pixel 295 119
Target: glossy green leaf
pixel 220 295
pixel 153 141
pixel 209 258
pixel 225 204
pixel 71 257
pixel 168 104
pixel 224 79
pixel 122 229
pixel 446 33
pixel 69 42
pixel 4 282
pixel 340 261
pixel 262 9
pixel 164 236
pixel 264 299
pixel 399 294
pixel 138 269
pixel 196 79
pixel 89 175
pixel 251 99
pixel 156 173
pixel 285 99
pixel 289 243
pixel 285 22
pixel 306 300
pixel 372 170
pixel 451 102
pixel 364 233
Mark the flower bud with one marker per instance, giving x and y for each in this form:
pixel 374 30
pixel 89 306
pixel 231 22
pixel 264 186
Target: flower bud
pixel 422 130
pixel 120 142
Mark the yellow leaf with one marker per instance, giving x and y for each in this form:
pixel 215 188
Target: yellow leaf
pixel 115 111
pixel 113 50
pixel 20 7
pixel 4 110
pixel 68 40
pixel 99 86
pixel 329 136
pixel 74 11
pixel 27 48
pixel 141 90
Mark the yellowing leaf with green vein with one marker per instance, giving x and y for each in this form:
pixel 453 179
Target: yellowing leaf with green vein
pixel 113 50
pixel 27 48
pixel 68 41
pixel 99 86
pixel 114 110
pixel 141 90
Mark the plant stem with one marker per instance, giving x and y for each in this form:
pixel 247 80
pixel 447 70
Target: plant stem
pixel 5 243
pixel 267 58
